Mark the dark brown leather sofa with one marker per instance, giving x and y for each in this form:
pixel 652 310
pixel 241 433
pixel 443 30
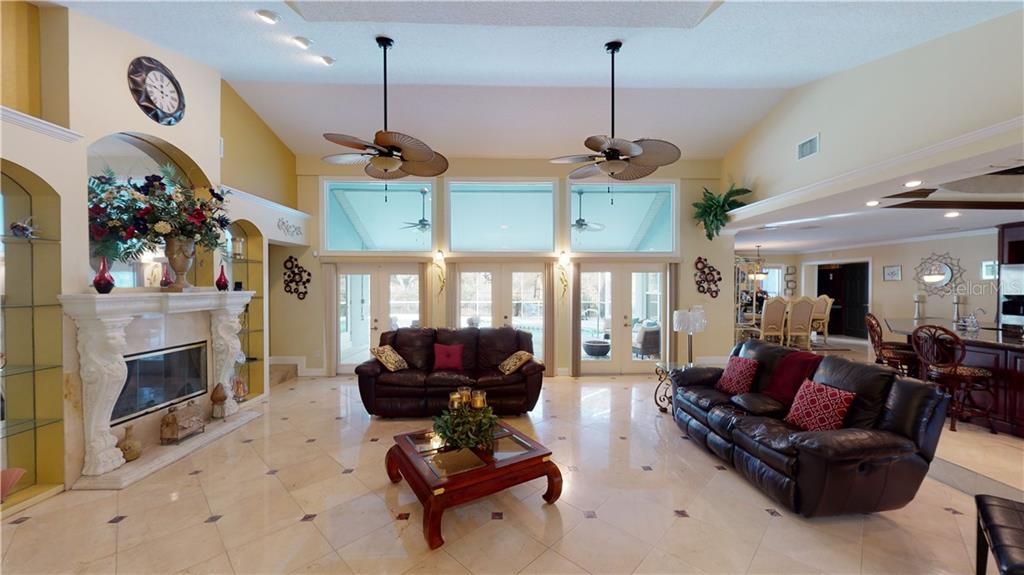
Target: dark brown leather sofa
pixel 875 463
pixel 420 392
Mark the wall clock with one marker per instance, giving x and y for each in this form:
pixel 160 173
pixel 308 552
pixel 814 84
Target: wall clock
pixel 156 91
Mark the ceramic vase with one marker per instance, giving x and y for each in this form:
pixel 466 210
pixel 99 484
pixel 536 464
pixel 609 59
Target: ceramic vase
pixel 165 279
pixel 218 397
pixel 222 280
pixel 129 446
pixel 180 253
pixel 103 282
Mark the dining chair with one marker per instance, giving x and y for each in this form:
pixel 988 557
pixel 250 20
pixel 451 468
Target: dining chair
pixel 942 354
pixel 898 355
pixel 798 325
pixel 773 319
pixel 819 318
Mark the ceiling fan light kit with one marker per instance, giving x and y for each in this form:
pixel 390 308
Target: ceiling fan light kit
pixel 391 155
pixel 618 158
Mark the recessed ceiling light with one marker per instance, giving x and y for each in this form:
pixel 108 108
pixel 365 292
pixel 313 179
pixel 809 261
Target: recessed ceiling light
pixel 302 42
pixel 871 203
pixel 913 184
pixel 952 214
pixel 268 16
pixel 327 60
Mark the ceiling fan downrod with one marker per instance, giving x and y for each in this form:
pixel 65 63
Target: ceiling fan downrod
pixel 613 48
pixel 385 44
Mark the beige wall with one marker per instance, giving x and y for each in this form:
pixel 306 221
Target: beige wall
pixel 933 93
pixel 895 298
pixel 299 328
pixel 19 57
pixel 255 159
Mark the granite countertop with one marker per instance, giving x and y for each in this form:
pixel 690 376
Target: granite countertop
pixel 989 335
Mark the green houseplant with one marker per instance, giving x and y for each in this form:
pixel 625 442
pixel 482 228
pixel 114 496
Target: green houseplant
pixel 713 210
pixel 465 427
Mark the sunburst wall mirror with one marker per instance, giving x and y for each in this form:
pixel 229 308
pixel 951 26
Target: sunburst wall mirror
pixel 939 274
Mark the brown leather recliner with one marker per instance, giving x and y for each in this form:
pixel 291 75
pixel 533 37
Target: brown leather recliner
pixel 419 391
pixel 875 463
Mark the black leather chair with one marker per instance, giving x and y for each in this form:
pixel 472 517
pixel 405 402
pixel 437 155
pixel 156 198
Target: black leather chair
pixel 1001 529
pixel 876 462
pixel 419 391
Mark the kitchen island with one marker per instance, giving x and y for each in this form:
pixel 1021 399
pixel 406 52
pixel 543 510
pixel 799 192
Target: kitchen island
pixel 992 349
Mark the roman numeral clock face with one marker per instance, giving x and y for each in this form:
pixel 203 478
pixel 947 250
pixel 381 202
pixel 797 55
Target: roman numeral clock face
pixel 156 91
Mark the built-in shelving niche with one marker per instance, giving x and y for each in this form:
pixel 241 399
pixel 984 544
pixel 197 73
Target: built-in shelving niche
pixel 245 264
pixel 32 430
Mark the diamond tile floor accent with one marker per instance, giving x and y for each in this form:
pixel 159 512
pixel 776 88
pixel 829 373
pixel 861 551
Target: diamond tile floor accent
pixel 117 519
pixel 683 516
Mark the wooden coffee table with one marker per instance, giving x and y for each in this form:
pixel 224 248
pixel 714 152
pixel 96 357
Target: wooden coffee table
pixel 443 478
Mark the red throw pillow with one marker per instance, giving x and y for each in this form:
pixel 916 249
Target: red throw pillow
pixel 818 407
pixel 448 357
pixel 738 376
pixel 789 374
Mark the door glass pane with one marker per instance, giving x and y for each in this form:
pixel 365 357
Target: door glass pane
pixel 528 307
pixel 596 315
pixel 354 340
pixel 404 300
pixel 475 299
pixel 647 323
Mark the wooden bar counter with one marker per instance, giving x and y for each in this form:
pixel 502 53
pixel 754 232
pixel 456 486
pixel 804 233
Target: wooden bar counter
pixel 990 349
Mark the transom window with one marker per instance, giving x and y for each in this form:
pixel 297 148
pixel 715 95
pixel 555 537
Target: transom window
pixel 364 217
pixel 502 216
pixel 622 218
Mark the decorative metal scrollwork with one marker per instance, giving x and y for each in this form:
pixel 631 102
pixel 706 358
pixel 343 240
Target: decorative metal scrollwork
pixel 296 278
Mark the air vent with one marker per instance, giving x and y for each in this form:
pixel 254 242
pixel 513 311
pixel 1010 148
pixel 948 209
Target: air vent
pixel 808 147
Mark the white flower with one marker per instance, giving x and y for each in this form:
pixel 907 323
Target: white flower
pixel 139 197
pixel 162 227
pixel 178 197
pixel 108 197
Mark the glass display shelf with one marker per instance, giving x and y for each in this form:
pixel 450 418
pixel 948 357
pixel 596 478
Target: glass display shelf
pixel 12 370
pixel 21 240
pixel 243 261
pixel 12 427
pixel 253 359
pixel 27 305
pixel 248 331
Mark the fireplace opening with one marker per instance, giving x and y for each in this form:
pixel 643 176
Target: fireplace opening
pixel 160 378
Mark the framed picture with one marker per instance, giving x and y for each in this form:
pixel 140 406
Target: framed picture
pixel 989 270
pixel 892 273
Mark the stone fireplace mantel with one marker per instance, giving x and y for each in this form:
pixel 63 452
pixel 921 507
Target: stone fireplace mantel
pixel 102 320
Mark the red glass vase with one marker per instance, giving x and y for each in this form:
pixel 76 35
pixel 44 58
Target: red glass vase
pixel 166 280
pixel 103 282
pixel 222 280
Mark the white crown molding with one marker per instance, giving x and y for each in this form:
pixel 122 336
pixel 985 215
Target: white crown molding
pixel 950 235
pixel 265 202
pixel 804 193
pixel 12 116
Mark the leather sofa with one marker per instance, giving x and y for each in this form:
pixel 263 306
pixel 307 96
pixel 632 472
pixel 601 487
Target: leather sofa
pixel 419 391
pixel 876 462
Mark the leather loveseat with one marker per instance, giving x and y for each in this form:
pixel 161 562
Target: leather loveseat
pixel 419 391
pixel 876 462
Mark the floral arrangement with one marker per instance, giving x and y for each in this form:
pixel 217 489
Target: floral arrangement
pixel 129 218
pixel 465 427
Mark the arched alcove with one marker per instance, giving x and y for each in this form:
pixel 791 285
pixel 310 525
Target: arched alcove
pixel 245 269
pixel 134 156
pixel 31 383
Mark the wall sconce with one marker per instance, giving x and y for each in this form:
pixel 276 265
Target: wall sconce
pixel 439 266
pixel 564 261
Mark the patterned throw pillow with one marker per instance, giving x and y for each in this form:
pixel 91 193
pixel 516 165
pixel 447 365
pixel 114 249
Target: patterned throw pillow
pixel 389 357
pixel 738 376
pixel 514 362
pixel 818 407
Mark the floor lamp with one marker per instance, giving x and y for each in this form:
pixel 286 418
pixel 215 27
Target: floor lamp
pixel 690 321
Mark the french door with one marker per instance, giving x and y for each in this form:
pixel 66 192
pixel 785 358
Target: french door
pixel 373 299
pixel 493 295
pixel 622 319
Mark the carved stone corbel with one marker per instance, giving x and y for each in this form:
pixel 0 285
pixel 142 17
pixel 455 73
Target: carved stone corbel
pixel 101 347
pixel 227 350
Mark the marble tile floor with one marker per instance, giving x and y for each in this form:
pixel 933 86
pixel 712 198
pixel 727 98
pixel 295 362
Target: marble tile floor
pixel 303 490
pixel 997 456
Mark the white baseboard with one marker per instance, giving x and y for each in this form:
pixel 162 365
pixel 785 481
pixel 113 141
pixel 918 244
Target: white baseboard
pixel 300 362
pixel 562 372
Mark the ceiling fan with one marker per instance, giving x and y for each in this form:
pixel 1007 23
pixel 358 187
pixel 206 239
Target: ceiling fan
pixel 618 158
pixel 581 224
pixel 391 155
pixel 423 224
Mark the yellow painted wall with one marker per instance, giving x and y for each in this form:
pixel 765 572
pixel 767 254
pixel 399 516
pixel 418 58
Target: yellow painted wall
pixel 19 44
pixel 255 159
pixel 298 328
pixel 923 96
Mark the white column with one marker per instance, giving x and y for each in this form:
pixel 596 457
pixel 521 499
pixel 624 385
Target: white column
pixel 227 349
pixel 101 346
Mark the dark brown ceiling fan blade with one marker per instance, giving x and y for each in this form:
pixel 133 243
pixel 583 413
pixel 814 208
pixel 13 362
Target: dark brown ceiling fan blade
pixel 584 172
pixel 375 172
pixel 597 143
pixel 656 153
pixel 349 141
pixel 412 150
pixel 433 167
pixel 604 143
pixel 634 172
pixel 578 159
pixel 347 159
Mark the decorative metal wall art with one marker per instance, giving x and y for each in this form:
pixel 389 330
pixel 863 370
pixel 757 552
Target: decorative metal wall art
pixel 939 274
pixel 706 277
pixel 296 278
